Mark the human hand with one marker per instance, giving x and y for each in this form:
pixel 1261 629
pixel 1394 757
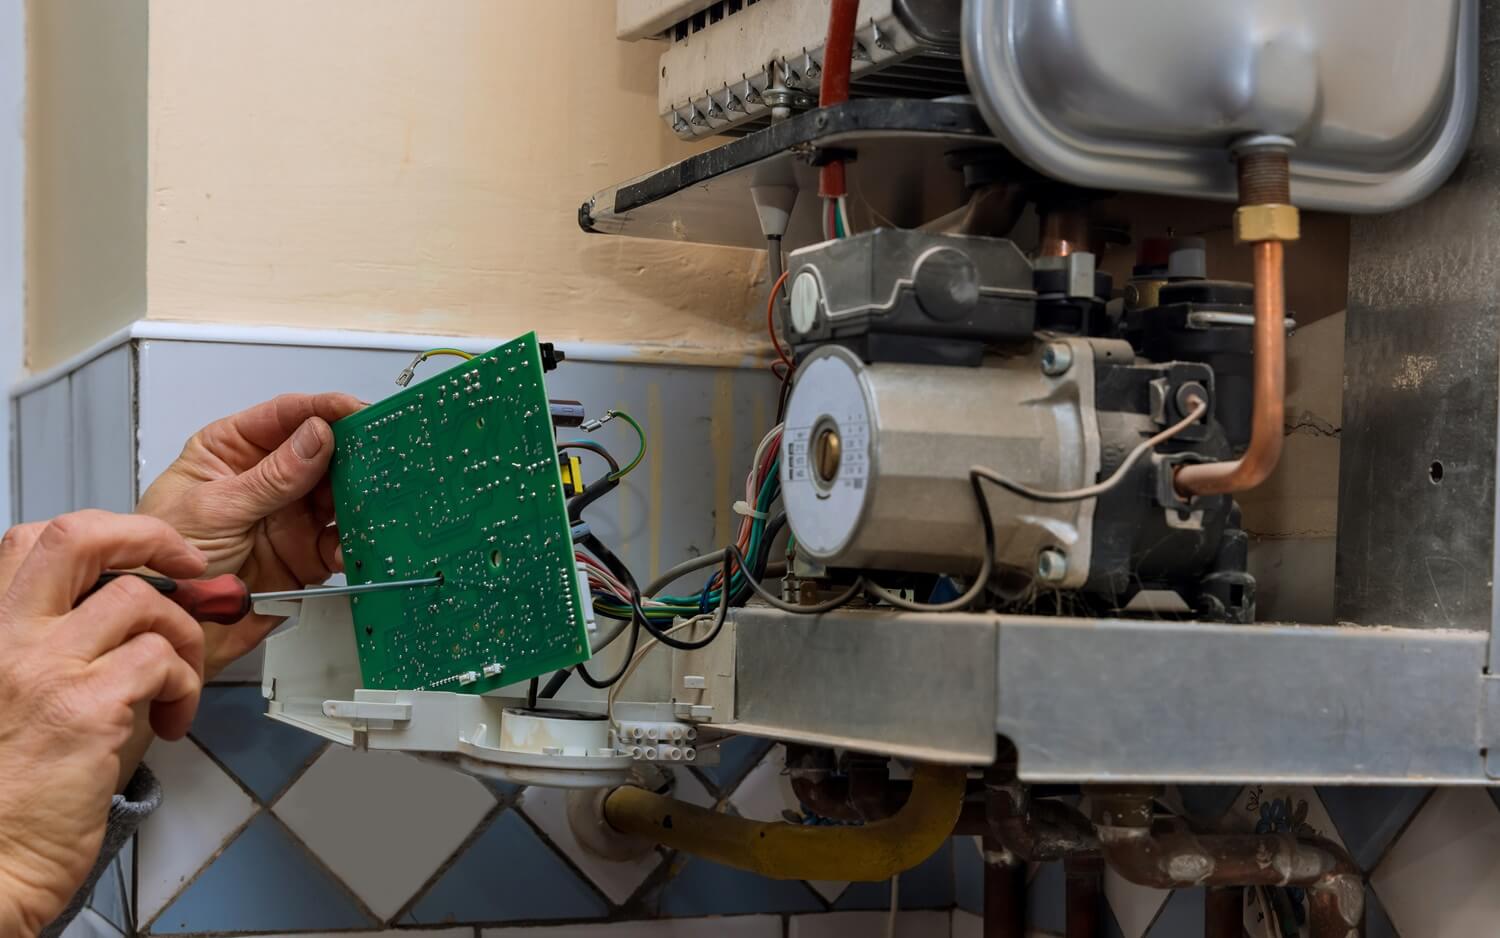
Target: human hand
pixel 70 682
pixel 251 492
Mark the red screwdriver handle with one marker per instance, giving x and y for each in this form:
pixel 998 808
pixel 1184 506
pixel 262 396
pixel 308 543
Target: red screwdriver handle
pixel 224 599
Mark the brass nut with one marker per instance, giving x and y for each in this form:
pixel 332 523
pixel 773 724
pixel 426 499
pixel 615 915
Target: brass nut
pixel 1266 223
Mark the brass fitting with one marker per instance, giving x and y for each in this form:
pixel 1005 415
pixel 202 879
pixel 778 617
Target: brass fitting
pixel 1266 222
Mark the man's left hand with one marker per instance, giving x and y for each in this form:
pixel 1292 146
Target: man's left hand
pixel 251 492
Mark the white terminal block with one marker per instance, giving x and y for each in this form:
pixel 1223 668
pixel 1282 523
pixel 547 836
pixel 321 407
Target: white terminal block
pixel 657 741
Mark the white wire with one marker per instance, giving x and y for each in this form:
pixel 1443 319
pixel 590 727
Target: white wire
pixel 843 210
pixel 890 918
pixel 640 655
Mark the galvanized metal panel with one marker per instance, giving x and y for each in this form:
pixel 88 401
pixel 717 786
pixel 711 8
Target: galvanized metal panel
pixel 1417 477
pixel 44 451
pixel 103 408
pixel 1111 700
pixel 921 686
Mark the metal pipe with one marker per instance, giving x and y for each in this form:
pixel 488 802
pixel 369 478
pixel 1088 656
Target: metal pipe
pixel 1065 230
pixel 872 852
pixel 1176 859
pixel 1036 831
pixel 1005 894
pixel 1084 896
pixel 1267 422
pixel 1224 912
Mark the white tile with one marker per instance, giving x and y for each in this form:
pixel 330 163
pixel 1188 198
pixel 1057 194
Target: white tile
pixel 1135 907
pixel 872 924
pixel 203 807
pixel 382 821
pixel 829 889
pixel 44 446
pixel 90 924
pixel 1300 804
pixel 736 926
pixel 1438 881
pixel 547 808
pixel 966 925
pixel 766 791
pixel 103 407
pixel 689 787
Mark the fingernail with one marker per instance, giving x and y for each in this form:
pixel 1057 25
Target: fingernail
pixel 307 442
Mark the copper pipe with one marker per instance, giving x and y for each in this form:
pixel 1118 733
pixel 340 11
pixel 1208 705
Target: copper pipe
pixel 1175 859
pixel 1224 912
pixel 1064 231
pixel 1268 417
pixel 1034 830
pixel 1084 892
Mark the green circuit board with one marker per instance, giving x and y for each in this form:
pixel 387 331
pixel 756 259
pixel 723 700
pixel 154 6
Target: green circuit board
pixel 458 477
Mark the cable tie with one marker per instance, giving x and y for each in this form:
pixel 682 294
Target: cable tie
pixel 742 507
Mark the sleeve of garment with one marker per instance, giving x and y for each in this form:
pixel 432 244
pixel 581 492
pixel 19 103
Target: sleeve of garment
pixel 142 795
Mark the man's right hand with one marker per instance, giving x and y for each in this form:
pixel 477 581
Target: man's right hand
pixel 69 680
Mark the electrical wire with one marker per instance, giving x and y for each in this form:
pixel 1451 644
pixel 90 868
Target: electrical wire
pixel 771 599
pixel 592 425
pixel 981 579
pixel 771 324
pixel 1199 408
pixel 409 372
pixel 592 447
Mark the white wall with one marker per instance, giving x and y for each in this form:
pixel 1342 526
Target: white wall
pixel 12 218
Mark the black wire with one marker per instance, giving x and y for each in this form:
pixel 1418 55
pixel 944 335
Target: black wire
pixel 554 684
pixel 595 448
pixel 613 679
pixel 777 602
pixel 531 693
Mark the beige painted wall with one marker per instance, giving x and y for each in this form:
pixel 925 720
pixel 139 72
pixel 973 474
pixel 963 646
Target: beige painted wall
pixel 384 164
pixel 85 173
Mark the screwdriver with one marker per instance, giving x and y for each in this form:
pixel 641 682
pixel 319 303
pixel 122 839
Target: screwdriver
pixel 226 599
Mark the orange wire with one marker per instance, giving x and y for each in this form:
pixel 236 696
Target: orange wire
pixel 771 319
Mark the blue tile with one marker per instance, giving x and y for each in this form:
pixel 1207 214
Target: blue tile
pixel 968 875
pixel 263 754
pixel 263 881
pixel 1377 923
pixel 1112 927
pixel 1369 818
pixel 928 885
pixel 108 898
pixel 1046 898
pixel 505 792
pixel 1180 917
pixel 737 755
pixel 1208 802
pixel 706 888
pixel 507 875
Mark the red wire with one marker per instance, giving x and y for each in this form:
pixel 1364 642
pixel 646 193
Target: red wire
pixel 771 320
pixel 838 56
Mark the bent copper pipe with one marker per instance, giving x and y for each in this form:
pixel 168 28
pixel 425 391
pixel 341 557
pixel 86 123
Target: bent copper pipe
pixel 1034 830
pixel 1005 894
pixel 1269 412
pixel 1178 859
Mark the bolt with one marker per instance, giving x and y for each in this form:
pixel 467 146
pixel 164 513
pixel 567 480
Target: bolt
pixel 1052 565
pixel 1057 358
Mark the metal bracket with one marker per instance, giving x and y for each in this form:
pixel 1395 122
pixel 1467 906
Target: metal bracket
pixel 1489 724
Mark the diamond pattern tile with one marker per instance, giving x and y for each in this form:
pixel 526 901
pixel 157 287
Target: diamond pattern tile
pixel 845 924
pixel 1369 818
pixel 968 873
pixel 1135 907
pixel 741 926
pixel 1206 802
pixel 1377 923
pixel 1181 916
pixel 547 809
pixel 737 755
pixel 929 885
pixel 383 821
pixel 263 882
pixel 204 808
pixel 1438 879
pixel 966 925
pixel 109 894
pixel 701 887
pixel 90 924
pixel 1046 898
pixel 263 754
pixel 765 793
pixel 507 874
pixel 1281 809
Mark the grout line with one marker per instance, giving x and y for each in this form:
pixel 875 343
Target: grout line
pixel 318 862
pixel 567 860
pixel 229 838
pixel 481 827
pixel 1405 825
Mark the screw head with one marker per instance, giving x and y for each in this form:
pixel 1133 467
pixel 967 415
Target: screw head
pixel 1057 358
pixel 1052 566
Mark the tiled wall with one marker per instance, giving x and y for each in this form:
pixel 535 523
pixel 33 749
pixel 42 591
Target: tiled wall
pixel 266 830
